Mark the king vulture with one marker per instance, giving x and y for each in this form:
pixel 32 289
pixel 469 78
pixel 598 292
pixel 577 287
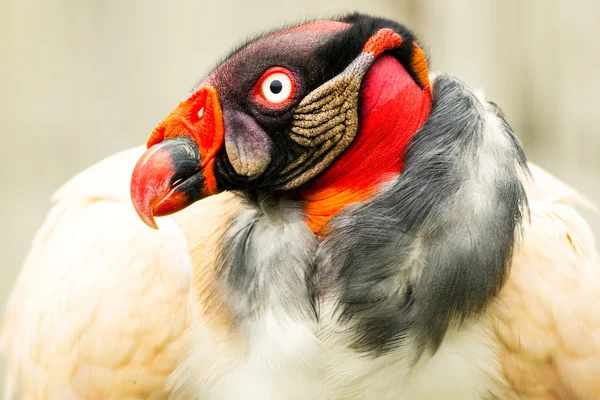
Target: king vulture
pixel 335 223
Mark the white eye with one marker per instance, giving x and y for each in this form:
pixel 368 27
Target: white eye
pixel 276 88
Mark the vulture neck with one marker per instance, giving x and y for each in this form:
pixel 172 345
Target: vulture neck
pixel 392 108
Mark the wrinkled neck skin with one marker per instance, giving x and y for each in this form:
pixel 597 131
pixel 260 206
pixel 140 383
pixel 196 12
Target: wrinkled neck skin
pixel 392 107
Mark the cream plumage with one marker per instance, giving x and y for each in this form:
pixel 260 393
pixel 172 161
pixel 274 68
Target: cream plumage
pixel 106 308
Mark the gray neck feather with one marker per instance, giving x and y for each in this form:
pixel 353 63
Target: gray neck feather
pixel 267 259
pixel 435 246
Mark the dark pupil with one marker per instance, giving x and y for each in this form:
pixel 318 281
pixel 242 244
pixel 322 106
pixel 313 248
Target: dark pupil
pixel 276 86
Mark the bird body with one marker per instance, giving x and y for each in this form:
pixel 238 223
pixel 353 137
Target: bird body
pixel 460 271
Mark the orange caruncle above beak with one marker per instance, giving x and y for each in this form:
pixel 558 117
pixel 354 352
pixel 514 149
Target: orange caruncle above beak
pixel 177 169
pixel 199 118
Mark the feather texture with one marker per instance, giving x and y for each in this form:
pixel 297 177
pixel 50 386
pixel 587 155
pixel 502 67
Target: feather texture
pixel 106 308
pixel 100 307
pixel 549 325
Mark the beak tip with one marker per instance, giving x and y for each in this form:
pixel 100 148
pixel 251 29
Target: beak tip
pixel 142 199
pixel 144 211
pixel 148 219
pixel 152 191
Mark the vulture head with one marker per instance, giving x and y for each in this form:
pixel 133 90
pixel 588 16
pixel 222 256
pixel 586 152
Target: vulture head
pixel 323 108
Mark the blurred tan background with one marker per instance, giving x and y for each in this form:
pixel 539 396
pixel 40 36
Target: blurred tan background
pixel 80 80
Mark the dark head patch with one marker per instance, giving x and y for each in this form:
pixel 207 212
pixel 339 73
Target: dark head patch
pixel 326 60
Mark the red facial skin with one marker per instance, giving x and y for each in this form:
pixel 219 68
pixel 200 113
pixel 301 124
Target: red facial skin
pixel 392 108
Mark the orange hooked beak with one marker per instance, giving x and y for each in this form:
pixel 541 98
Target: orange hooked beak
pixel 177 169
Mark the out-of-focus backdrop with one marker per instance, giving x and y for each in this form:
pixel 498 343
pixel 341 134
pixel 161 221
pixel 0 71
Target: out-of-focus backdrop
pixel 80 80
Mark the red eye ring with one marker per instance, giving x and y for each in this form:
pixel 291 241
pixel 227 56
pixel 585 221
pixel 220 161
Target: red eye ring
pixel 276 88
